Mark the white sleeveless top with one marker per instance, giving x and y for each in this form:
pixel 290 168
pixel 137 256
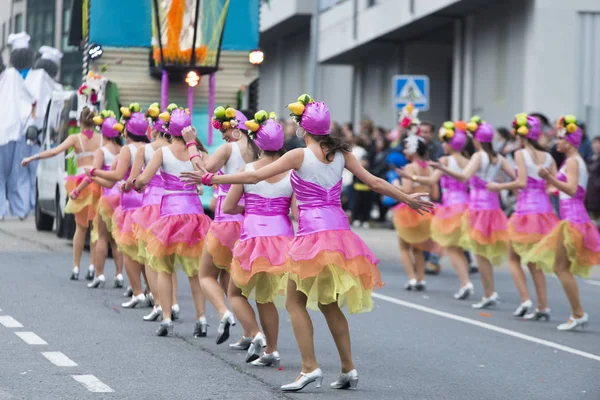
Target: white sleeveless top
pixel 148 153
pixel 583 177
pixel 133 150
pixel 83 152
pixel 532 167
pixel 324 175
pixel 488 171
pixel 453 165
pixel 235 162
pixel 172 165
pixel 109 157
pixel 283 188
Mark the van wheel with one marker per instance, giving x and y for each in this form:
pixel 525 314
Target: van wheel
pixel 43 222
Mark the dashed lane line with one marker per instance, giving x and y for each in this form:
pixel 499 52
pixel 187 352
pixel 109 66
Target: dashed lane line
pixel 9 322
pixel 93 384
pixel 484 325
pixel 59 359
pixel 31 338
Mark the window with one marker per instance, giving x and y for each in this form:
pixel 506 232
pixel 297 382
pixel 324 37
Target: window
pixel 19 23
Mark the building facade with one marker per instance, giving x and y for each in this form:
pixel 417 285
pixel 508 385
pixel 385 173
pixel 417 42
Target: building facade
pixel 494 58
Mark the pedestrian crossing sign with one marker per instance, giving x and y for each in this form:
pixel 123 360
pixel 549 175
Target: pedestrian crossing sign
pixel 411 89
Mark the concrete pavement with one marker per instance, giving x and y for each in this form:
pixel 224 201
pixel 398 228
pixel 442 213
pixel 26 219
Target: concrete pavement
pixel 412 346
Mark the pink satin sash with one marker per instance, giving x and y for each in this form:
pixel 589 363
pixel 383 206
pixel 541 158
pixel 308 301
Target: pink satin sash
pixel 266 217
pixel 185 201
pixel 480 198
pixel 533 198
pixel 220 216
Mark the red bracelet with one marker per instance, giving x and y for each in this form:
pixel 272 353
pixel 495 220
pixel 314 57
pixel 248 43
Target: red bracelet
pixel 194 156
pixel 92 171
pixel 206 178
pixel 190 144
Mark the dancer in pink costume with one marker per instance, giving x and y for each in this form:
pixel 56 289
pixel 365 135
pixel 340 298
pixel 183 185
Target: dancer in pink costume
pixel 446 223
pixel 328 265
pixel 534 216
pixel 135 133
pixel 485 230
pixel 258 265
pixel 178 235
pixel 225 229
pixel 573 246
pixel 149 211
pixel 105 158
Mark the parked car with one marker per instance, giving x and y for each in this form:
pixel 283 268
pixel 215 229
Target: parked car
pixel 51 195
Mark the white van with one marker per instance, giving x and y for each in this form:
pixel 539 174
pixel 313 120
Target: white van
pixel 51 195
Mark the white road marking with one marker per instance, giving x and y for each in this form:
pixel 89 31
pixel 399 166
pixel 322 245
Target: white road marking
pixel 31 338
pixel 592 282
pixel 484 325
pixel 59 359
pixel 92 383
pixel 9 322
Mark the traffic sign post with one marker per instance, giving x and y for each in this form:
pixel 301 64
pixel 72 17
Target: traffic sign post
pixel 411 89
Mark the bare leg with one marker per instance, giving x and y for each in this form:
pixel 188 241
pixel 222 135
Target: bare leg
pixel 198 296
pixel 460 264
pixel 101 247
pixel 338 325
pixel 117 257
pixel 539 280
pixel 303 327
pixel 78 243
pixel 152 278
pixel 516 271
pixel 208 279
pixel 487 275
pixel 134 270
pixel 419 264
pixel 269 320
pixel 92 252
pixel 409 269
pixel 242 310
pixel 567 280
pixel 174 290
pixel 224 279
pixel 165 289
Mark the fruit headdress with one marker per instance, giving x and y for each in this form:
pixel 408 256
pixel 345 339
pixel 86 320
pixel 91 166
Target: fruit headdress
pixel 107 123
pixel 312 116
pixel 152 113
pixel 453 134
pixel 175 119
pixel 228 117
pixel 527 126
pixel 265 131
pixel 480 130
pixel 570 129
pixel 133 120
pixel 409 117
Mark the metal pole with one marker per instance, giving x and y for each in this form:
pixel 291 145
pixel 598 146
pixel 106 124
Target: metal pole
pixel 314 44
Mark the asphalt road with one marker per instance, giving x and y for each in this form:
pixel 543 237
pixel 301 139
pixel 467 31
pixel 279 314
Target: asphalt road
pixel 412 346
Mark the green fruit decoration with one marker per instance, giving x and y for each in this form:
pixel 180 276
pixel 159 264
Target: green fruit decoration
pixel 219 112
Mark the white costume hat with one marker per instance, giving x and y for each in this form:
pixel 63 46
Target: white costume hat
pixel 18 40
pixel 50 53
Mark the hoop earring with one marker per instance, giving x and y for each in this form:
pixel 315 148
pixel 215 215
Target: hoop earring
pixel 300 132
pixel 239 134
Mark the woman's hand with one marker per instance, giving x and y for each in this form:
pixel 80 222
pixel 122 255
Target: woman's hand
pixel 493 187
pixel 435 164
pixel 26 161
pixel 544 173
pixel 198 164
pixel 189 134
pixel 416 202
pixel 124 187
pixel 74 194
pixel 402 173
pixel 194 177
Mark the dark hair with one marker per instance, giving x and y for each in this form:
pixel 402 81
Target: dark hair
pixel 535 144
pixel 200 146
pixel 543 119
pixel 22 58
pixel 505 133
pixel 360 141
pixel 487 147
pixel 331 145
pixel 422 149
pixel 47 65
pixel 350 126
pixel 429 124
pixel 138 139
pixel 86 118
pixel 252 145
pixel 116 140
pixel 277 153
pixel 596 139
